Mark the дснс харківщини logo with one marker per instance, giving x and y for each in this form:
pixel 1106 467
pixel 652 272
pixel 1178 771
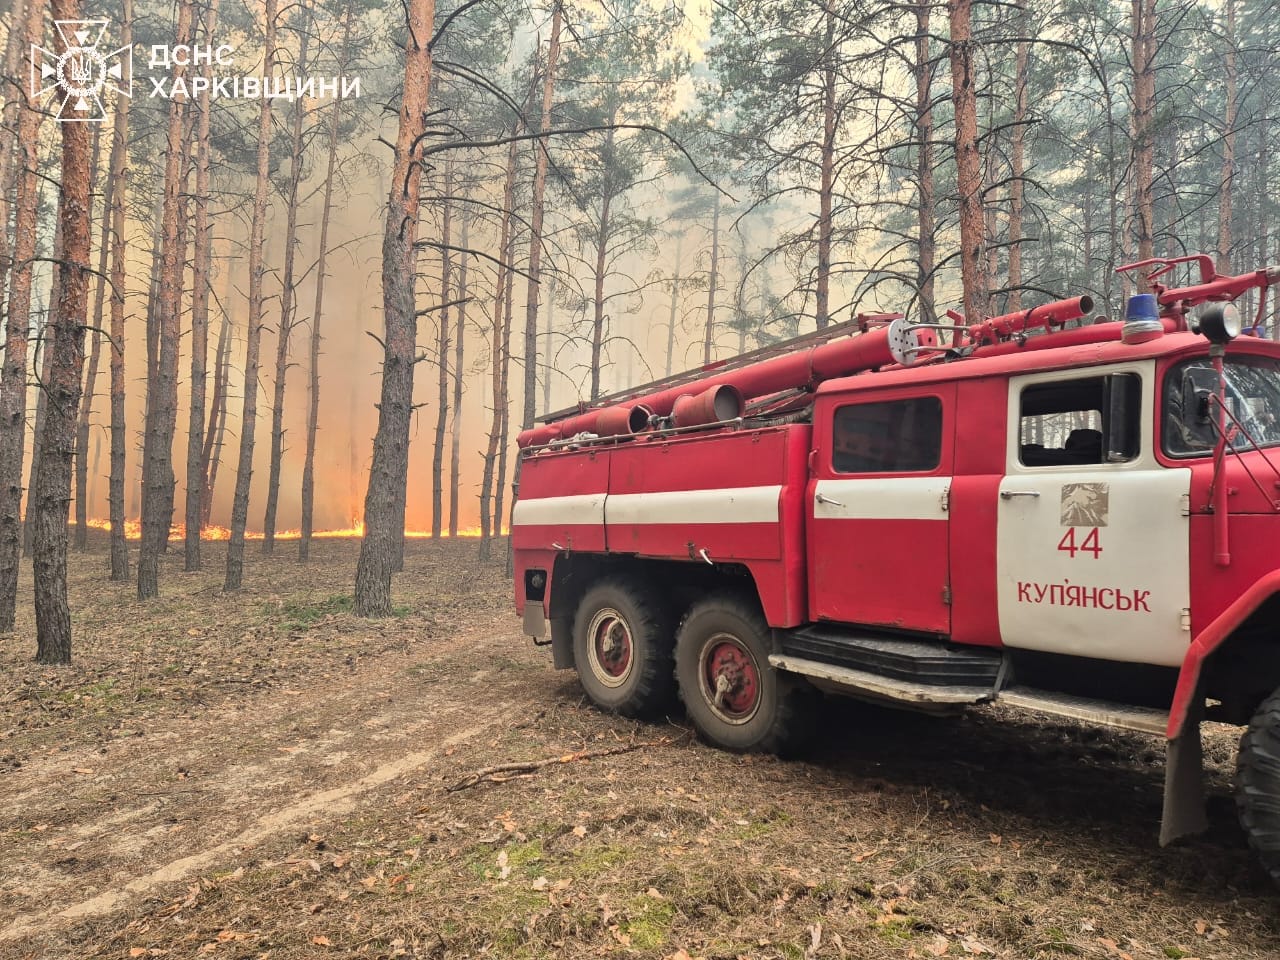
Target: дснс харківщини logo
pixel 79 71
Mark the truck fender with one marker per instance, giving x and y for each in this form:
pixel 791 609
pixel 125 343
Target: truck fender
pixel 1207 641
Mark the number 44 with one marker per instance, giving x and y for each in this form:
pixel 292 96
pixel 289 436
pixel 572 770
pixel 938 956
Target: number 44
pixel 1090 544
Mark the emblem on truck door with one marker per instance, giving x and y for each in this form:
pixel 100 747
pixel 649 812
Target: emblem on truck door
pixel 1085 504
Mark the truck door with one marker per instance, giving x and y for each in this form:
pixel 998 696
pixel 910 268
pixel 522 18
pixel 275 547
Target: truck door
pixel 1092 548
pixel 877 509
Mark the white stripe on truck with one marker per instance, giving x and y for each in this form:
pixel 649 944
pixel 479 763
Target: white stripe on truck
pixel 881 498
pixel 726 505
pixel 555 511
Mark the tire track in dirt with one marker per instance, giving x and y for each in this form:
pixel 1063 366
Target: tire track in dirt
pixel 288 759
pixel 327 804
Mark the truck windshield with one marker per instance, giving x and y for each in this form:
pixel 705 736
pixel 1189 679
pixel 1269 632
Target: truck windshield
pixel 1253 397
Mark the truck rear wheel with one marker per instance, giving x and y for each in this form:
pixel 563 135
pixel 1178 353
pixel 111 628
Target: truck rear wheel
pixel 735 699
pixel 1258 784
pixel 622 642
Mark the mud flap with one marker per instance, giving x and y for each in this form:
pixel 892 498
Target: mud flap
pixel 535 621
pixel 562 643
pixel 1183 813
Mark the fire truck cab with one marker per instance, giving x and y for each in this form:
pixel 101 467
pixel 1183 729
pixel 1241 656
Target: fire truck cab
pixel 1081 523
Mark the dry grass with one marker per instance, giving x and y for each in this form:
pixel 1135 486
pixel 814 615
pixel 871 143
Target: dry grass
pixel 222 718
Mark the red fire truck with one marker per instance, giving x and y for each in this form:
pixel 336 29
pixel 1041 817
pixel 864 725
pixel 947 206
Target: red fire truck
pixel 1078 519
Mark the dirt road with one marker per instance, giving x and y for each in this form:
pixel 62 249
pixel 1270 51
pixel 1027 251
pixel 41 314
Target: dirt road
pixel 265 775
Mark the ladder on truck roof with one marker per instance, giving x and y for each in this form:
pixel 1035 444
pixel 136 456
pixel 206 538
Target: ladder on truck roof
pixel 858 324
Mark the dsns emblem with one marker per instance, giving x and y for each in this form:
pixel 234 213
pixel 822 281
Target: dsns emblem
pixel 80 70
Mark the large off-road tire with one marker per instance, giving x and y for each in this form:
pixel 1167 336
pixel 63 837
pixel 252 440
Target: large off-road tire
pixel 1258 784
pixel 735 699
pixel 622 642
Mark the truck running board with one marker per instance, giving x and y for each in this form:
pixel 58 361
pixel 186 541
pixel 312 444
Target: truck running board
pixel 906 692
pixel 913 661
pixel 1105 712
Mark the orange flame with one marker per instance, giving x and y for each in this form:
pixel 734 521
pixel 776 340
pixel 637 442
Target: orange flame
pixel 215 532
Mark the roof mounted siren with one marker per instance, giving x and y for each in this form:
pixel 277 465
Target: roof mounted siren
pixel 1141 320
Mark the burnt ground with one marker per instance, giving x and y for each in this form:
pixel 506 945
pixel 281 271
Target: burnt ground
pixel 265 775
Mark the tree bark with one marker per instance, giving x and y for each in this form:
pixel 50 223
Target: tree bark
pixel 504 424
pixel 162 390
pixel 95 355
pixel 317 315
pixel 57 441
pixel 253 335
pixel 13 54
pixel 41 360
pixel 1227 181
pixel 211 455
pixel 602 252
pixel 442 360
pixel 287 312
pixel 498 358
pixel 13 383
pixel 968 161
pixel 713 281
pixel 535 225
pixel 924 167
pixel 822 299
pixel 387 476
pixel 1144 92
pixel 455 427
pixel 119 257
pixel 1017 160
pixel 202 261
pixel 674 306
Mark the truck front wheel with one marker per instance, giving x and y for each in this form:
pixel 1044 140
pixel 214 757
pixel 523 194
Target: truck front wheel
pixel 622 640
pixel 735 699
pixel 1258 784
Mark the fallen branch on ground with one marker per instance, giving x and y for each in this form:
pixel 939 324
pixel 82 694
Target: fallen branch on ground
pixel 502 772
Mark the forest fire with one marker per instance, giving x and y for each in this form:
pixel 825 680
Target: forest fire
pixel 214 532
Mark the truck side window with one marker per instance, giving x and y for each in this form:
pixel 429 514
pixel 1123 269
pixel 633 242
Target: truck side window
pixel 1084 421
pixel 894 436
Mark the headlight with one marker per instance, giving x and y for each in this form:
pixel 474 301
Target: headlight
pixel 1219 322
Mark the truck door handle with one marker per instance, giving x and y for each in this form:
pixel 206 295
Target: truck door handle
pixel 823 498
pixel 1010 494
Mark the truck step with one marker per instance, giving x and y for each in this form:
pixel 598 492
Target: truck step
pixel 846 680
pixel 1122 715
pixel 915 661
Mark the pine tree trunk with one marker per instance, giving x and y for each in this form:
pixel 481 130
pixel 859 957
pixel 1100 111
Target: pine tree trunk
pixel 387 474
pixel 498 358
pixel 285 329
pixel 549 332
pixel 41 361
pixel 202 261
pixel 671 318
pixel 317 315
pixel 162 391
pixel 822 299
pixel 713 281
pixel 13 382
pixel 253 336
pixel 1144 93
pixel 1017 160
pixel 505 408
pixel 924 167
pixel 968 162
pixel 211 454
pixel 13 54
pixel 442 360
pixel 597 302
pixel 455 427
pixel 1227 182
pixel 535 225
pixel 95 355
pixel 119 257
pixel 57 441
